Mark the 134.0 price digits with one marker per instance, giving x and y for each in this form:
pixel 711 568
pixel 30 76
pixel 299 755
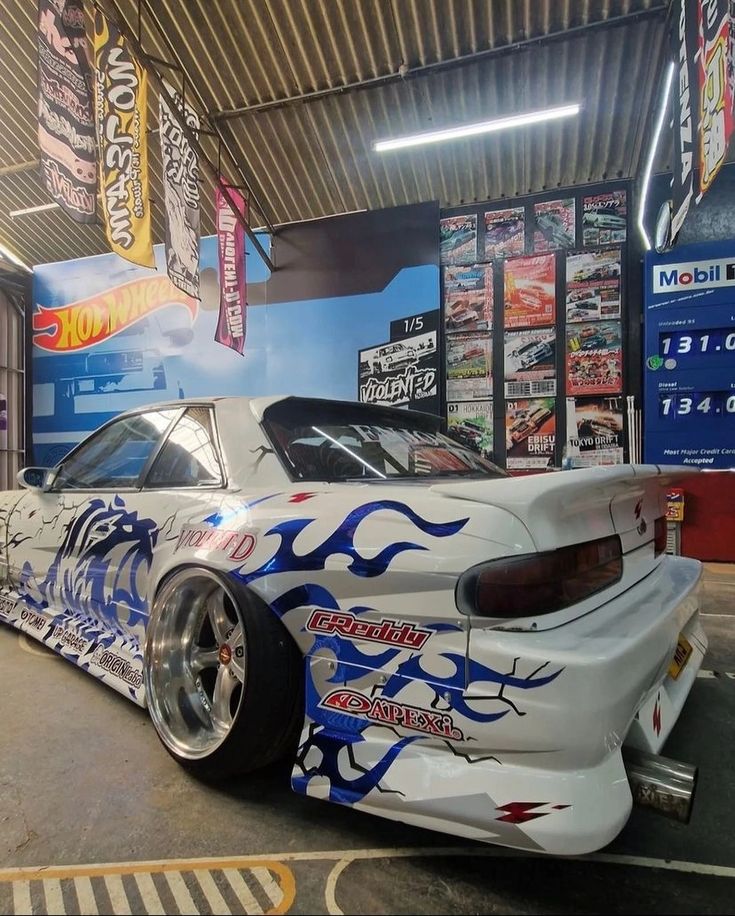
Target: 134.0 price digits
pixel 697 404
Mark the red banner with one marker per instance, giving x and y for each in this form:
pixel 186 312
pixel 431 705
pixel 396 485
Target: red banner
pixel 231 325
pixel 715 88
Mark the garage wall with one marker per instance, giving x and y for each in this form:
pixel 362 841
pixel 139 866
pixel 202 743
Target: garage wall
pixel 12 390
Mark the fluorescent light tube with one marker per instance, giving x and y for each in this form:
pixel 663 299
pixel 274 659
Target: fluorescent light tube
pixel 481 127
pixel 14 259
pixel 39 209
pixel 652 150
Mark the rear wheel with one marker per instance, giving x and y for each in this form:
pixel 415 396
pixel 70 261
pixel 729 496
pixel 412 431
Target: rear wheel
pixel 222 676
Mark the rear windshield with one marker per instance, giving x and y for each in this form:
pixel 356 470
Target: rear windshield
pixel 336 440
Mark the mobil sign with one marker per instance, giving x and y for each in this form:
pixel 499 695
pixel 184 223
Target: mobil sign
pixel 693 275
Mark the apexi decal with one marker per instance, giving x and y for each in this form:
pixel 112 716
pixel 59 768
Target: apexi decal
pixel 33 620
pixel 699 274
pixel 89 321
pixel 388 712
pixel 386 631
pixel 117 665
pixel 70 640
pixel 233 544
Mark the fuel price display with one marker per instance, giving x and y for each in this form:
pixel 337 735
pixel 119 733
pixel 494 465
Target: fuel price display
pixel 697 404
pixel 687 344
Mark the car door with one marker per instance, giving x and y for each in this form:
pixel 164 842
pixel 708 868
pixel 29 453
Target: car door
pixel 71 541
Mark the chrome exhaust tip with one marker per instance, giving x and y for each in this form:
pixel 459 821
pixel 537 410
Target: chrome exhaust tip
pixel 665 785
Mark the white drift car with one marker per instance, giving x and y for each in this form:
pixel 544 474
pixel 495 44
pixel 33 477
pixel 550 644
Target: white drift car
pixel 430 640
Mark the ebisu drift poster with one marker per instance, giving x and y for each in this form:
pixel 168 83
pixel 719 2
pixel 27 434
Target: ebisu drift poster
pixel 468 298
pixel 458 239
pixel 593 285
pixel 469 367
pixel 554 224
pixel 530 433
pixel 594 358
pixel 504 233
pixel 471 423
pixel 594 431
pixel 604 218
pixel 530 362
pixel 530 291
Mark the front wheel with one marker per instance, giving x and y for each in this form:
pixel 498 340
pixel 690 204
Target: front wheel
pixel 223 678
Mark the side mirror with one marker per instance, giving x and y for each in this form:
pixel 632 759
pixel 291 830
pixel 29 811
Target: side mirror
pixel 38 479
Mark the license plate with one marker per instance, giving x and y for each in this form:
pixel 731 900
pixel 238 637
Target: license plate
pixel 681 657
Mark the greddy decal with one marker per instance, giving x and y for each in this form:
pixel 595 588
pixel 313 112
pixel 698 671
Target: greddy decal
pixel 234 544
pixel 118 666
pixel 385 631
pixel 388 712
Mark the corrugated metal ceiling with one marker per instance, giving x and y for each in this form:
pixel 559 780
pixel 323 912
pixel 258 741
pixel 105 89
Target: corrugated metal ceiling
pixel 314 158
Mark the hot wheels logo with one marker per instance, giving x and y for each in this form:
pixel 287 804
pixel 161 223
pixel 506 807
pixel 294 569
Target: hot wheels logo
pixel 89 321
pixel 386 631
pixel 388 712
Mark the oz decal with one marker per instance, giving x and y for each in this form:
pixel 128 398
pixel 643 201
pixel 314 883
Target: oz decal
pixel 388 712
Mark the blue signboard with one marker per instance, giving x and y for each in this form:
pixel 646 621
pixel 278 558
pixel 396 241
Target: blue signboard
pixel 689 357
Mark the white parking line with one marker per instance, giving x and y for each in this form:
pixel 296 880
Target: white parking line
pixel 716 674
pixel 85 896
pixel 210 890
pixel 148 894
pixel 181 893
pixel 118 897
pixel 54 899
pixel 22 897
pixel 269 885
pixel 244 894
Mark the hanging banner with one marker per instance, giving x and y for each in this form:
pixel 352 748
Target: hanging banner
pixel 121 99
pixel 181 192
pixel 231 325
pixel 684 29
pixel 66 130
pixel 715 88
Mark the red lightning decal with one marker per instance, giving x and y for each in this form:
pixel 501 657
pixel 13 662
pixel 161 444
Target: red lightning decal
pixel 520 812
pixel 300 497
pixel 657 717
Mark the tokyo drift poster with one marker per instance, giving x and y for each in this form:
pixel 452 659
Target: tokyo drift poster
pixel 468 298
pixel 594 358
pixel 471 424
pixel 604 218
pixel 505 233
pixel 530 291
pixel 469 367
pixel 593 285
pixel 458 239
pixel 595 431
pixel 554 224
pixel 530 356
pixel 530 433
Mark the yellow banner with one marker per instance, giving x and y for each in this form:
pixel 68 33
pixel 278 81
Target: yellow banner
pixel 121 96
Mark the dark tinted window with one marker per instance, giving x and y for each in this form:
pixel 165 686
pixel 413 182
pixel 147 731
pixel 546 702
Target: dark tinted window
pixel 189 457
pixel 115 456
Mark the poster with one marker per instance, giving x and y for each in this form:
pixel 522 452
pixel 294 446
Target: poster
pixel 469 367
pixel 404 370
pixel 594 431
pixel 594 358
pixel 593 285
pixel 180 191
pixel 604 218
pixel 555 224
pixel 530 433
pixel 66 127
pixel 715 66
pixel 530 291
pixel 121 99
pixel 505 233
pixel 468 298
pixel 232 322
pixel 530 362
pixel 471 423
pixel 458 239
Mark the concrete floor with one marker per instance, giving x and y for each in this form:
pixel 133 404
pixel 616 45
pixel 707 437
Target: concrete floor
pixel 84 779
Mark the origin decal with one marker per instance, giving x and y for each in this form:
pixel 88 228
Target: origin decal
pixel 385 631
pixel 388 712
pixel 233 544
pixel 117 665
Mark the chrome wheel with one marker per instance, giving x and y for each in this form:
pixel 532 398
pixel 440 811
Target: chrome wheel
pixel 195 663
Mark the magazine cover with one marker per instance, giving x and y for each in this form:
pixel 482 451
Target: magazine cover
pixel 469 367
pixel 593 285
pixel 458 239
pixel 530 291
pixel 471 423
pixel 468 298
pixel 530 356
pixel 604 218
pixel 530 433
pixel 594 358
pixel 555 225
pixel 595 431
pixel 505 232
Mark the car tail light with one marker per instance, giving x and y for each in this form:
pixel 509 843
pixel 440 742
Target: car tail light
pixel 659 535
pixel 540 583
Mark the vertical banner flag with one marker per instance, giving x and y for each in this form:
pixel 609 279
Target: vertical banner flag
pixel 181 192
pixel 233 291
pixel 715 88
pixel 66 131
pixel 684 20
pixel 121 98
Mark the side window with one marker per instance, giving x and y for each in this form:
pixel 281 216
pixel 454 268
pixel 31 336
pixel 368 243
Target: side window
pixel 114 457
pixel 189 457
